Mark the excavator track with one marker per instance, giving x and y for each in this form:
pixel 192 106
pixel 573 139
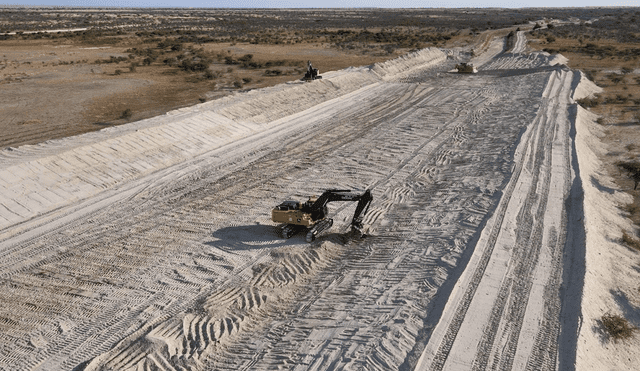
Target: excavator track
pixel 318 228
pixel 287 231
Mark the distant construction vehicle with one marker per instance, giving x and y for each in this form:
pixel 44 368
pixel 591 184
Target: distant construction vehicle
pixel 466 68
pixel 311 216
pixel 312 73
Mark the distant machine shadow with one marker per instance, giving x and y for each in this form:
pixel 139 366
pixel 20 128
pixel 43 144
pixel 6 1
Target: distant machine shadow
pixel 629 311
pixel 250 237
pixel 623 124
pixel 596 183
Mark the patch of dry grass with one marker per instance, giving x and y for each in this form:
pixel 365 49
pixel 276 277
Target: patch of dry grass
pixel 630 240
pixel 617 327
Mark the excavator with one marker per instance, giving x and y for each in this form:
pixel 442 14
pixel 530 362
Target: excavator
pixel 311 74
pixel 311 216
pixel 466 68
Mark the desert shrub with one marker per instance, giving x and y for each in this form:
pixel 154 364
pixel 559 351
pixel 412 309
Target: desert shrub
pixel 209 75
pixel 117 72
pixel 237 84
pixel 550 39
pixel 275 72
pixel 126 114
pixel 190 66
pixel 116 60
pixel 170 61
pixel 634 210
pixel 617 327
pixel 132 66
pixel 633 169
pixel 246 80
pixel 252 64
pixel 246 58
pixel 626 70
pixel 589 102
pixel 630 241
pixel 616 79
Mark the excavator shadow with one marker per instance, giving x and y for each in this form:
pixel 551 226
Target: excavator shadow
pixel 251 237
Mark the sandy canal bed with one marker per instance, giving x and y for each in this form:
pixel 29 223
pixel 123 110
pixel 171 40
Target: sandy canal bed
pixel 149 245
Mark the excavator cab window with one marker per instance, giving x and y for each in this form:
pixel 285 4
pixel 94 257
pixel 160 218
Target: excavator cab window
pixel 289 205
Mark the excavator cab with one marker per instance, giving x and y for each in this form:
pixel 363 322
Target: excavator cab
pixel 288 205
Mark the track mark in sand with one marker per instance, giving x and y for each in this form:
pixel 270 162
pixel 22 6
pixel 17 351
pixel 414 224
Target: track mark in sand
pixel 187 272
pixel 188 339
pixel 536 232
pixel 376 302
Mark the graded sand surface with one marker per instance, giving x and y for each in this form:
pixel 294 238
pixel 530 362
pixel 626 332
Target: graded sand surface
pixel 149 246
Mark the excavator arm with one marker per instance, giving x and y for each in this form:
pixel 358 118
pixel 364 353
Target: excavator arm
pixel 318 208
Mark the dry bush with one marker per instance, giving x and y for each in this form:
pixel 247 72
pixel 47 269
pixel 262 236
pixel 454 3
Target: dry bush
pixel 634 209
pixel 617 327
pixel 633 169
pixel 630 241
pixel 589 102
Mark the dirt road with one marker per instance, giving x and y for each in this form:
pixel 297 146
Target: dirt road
pixel 167 259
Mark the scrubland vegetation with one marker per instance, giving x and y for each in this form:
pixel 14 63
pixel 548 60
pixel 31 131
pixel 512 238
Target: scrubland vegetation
pixel 607 49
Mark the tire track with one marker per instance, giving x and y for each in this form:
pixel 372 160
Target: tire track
pixel 497 348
